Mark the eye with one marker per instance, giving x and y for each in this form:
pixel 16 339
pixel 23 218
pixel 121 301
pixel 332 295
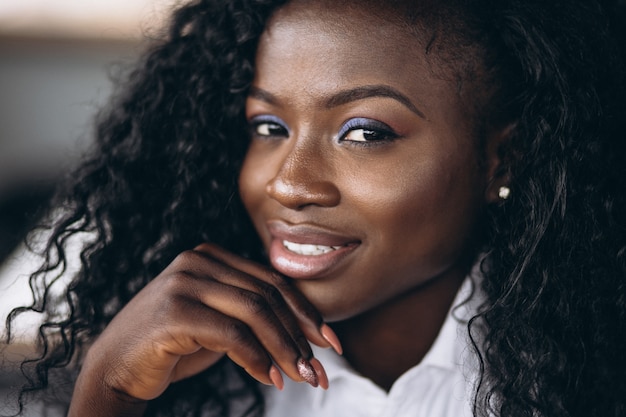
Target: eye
pixel 365 131
pixel 267 126
pixel 364 135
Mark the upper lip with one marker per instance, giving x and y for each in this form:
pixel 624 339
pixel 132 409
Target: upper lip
pixel 307 234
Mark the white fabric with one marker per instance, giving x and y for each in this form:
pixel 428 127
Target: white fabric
pixel 441 385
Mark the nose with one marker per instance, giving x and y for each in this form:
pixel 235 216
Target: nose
pixel 304 179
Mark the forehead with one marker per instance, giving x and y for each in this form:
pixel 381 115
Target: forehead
pixel 313 47
pixel 332 26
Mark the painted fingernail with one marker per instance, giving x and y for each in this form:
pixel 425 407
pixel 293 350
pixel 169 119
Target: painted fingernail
pixel 277 378
pixel 320 372
pixel 331 338
pixel 307 372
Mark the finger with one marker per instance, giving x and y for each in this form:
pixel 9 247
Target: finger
pixel 232 301
pixel 241 344
pixel 215 332
pixel 190 365
pixel 261 320
pixel 309 319
pixel 203 359
pixel 232 274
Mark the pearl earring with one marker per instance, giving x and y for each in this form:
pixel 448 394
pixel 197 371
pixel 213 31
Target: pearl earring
pixel 504 192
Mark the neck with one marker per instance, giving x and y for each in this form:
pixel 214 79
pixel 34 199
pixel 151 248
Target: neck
pixel 385 342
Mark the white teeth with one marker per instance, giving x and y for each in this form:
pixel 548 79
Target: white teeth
pixel 306 249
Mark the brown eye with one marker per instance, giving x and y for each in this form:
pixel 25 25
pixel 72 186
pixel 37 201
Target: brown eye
pixel 268 126
pixel 364 130
pixel 364 135
pixel 270 129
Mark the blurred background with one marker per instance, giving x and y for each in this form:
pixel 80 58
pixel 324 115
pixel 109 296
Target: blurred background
pixel 57 59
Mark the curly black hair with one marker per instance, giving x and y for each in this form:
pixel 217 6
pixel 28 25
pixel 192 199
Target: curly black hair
pixel 163 177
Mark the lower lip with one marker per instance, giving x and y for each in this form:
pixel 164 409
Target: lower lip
pixel 305 266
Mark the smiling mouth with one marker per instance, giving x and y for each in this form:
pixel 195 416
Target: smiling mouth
pixel 308 249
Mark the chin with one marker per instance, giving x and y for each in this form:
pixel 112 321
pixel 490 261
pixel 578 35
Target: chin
pixel 333 305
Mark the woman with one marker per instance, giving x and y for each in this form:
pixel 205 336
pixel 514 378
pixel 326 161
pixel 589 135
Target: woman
pixel 328 173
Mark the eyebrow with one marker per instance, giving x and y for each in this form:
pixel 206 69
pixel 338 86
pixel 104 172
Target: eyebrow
pixel 347 96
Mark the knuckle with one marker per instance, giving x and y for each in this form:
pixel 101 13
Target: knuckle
pixel 207 248
pixel 277 280
pixel 185 257
pixel 271 294
pixel 282 286
pixel 176 282
pixel 203 247
pixel 237 331
pixel 255 304
pixel 170 309
pixel 190 258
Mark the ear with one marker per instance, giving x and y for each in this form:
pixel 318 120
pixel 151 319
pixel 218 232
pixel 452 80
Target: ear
pixel 497 159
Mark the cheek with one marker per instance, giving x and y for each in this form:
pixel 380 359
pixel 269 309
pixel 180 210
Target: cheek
pixel 420 211
pixel 253 178
pixel 400 202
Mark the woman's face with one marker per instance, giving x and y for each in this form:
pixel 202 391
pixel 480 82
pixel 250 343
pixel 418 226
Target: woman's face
pixel 362 177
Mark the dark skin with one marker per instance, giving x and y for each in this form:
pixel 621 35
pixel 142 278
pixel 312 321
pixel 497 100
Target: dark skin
pixel 360 143
pixel 395 352
pixel 391 223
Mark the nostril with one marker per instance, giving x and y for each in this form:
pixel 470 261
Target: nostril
pixel 305 177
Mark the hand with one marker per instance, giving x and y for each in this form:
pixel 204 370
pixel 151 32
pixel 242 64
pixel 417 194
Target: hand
pixel 206 304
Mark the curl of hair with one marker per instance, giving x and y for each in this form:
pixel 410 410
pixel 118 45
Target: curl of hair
pixel 163 179
pixel 556 267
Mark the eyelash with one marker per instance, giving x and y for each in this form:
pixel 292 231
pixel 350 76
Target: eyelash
pixel 380 130
pixel 274 127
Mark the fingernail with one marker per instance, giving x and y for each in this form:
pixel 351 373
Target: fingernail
pixel 307 372
pixel 277 378
pixel 320 372
pixel 331 337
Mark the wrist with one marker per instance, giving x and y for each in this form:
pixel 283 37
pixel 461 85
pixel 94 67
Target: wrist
pixel 94 397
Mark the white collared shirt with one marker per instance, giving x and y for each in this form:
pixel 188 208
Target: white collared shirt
pixel 441 385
